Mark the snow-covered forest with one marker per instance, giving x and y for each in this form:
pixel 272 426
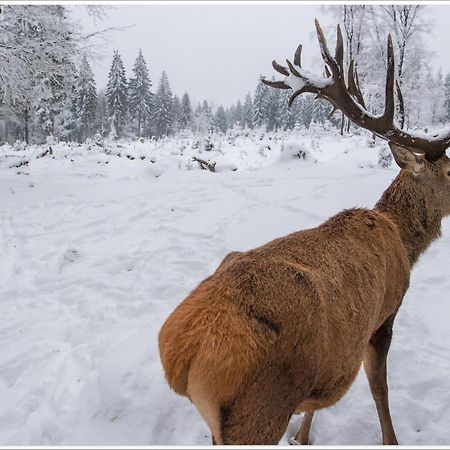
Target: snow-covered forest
pixel 49 90
pixel 118 199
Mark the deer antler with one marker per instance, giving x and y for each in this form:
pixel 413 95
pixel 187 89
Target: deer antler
pixel 349 98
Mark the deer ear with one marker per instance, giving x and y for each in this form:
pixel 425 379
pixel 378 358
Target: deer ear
pixel 408 159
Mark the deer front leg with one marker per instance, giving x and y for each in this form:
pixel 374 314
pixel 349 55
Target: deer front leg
pixel 376 370
pixel 302 436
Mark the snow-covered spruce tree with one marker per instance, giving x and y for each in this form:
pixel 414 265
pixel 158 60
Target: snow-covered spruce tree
pixel 101 114
pixel 68 122
pixel 220 120
pixel 238 115
pixel 230 113
pixel 140 97
pixel 163 111
pixel 86 100
pixel 116 94
pixel 274 109
pixel 288 117
pixel 306 108
pixel 247 112
pixel 186 112
pixel 203 118
pixel 260 103
pixel 176 113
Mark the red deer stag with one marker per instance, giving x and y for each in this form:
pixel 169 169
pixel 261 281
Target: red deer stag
pixel 284 328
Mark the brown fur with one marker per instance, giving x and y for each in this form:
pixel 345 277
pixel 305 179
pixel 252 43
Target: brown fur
pixel 284 328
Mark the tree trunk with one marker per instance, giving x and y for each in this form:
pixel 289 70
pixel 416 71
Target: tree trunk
pixel 139 124
pixel 27 135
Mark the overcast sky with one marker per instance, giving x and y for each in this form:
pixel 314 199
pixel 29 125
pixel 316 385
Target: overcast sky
pixel 218 51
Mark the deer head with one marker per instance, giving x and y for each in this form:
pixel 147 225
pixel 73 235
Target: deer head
pixel 420 154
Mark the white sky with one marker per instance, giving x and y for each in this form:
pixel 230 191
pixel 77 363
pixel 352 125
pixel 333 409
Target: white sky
pixel 218 51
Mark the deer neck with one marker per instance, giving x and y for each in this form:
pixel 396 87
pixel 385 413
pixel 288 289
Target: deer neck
pixel 415 210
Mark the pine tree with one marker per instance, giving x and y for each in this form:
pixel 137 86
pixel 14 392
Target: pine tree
pixel 230 115
pixel 273 110
pixel 116 93
pixel 176 112
pixel 86 99
pixel 186 112
pixel 220 120
pixel 260 101
pixel 68 119
pixel 203 117
pixel 247 112
pixel 101 114
pixel 238 114
pixel 288 115
pixel 140 97
pixel 163 113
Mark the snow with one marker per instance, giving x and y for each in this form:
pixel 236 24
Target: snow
pixel 307 79
pixel 98 249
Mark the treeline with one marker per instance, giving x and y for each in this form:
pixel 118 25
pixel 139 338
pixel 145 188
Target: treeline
pixel 131 109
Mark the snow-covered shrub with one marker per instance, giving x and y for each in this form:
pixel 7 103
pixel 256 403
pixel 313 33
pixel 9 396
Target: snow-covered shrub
pixel 294 149
pixel 19 146
pixel 225 167
pixel 51 140
pixel 264 150
pixel 208 145
pixel 113 133
pixel 98 139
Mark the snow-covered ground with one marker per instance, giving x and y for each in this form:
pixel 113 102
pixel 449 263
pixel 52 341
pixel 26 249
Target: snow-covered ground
pixel 98 249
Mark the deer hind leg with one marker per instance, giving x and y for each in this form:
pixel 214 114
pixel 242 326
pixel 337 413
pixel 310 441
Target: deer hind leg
pixel 302 436
pixel 260 415
pixel 375 366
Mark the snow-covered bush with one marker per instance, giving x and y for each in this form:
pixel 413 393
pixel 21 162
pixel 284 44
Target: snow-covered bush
pixel 294 149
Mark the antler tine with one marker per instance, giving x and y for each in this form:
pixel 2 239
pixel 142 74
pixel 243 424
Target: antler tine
pixel 388 114
pixel 275 84
pixel 339 53
pixel 280 69
pixel 401 105
pixel 298 56
pixel 326 55
pixel 294 96
pixel 293 69
pixel 353 85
